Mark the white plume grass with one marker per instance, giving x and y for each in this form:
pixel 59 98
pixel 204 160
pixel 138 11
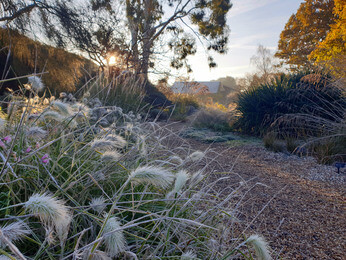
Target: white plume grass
pixel 111 156
pixel 62 107
pixel 118 140
pixel 52 212
pixel 176 160
pixel 36 83
pixel 189 255
pixel 104 145
pixel 14 232
pixel 115 242
pixel 156 176
pixel 180 180
pixel 96 255
pixel 98 204
pixel 260 245
pixel 36 132
pixel 195 156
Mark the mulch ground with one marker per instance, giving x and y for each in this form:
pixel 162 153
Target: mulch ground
pixel 297 204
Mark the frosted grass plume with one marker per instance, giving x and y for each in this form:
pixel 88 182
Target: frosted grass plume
pixel 189 255
pixel 36 132
pixel 115 242
pixel 103 145
pixel 96 255
pixel 260 245
pixel 156 176
pixel 36 83
pixel 195 156
pixel 61 107
pixel 118 140
pixel 14 232
pixel 52 212
pixel 176 160
pixel 98 204
pixel 111 156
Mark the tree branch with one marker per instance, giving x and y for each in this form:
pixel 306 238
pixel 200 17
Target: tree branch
pixel 26 9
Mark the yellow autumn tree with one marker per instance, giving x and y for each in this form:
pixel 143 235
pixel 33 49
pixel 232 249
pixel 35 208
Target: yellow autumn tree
pixel 331 52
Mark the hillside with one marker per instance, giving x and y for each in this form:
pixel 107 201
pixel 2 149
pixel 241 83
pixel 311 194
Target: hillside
pixel 65 70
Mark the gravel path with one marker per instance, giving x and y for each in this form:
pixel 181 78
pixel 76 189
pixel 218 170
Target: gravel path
pixel 301 203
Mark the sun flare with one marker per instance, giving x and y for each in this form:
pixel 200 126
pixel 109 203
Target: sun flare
pixel 112 60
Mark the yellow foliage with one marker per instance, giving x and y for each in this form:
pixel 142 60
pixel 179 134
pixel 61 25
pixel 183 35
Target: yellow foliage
pixel 331 52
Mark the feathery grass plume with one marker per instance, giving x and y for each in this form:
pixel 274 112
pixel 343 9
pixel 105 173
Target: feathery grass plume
pixel 61 107
pixel 180 180
pixel 117 139
pixel 196 178
pixel 260 245
pixel 36 83
pixel 156 176
pixel 14 232
pixel 111 156
pixel 36 132
pixel 97 255
pixel 103 145
pixel 189 255
pixel 52 212
pixel 115 242
pixel 98 204
pixel 53 115
pixel 176 160
pixel 195 156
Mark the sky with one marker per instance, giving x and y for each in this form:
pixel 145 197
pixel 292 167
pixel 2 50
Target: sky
pixel 252 22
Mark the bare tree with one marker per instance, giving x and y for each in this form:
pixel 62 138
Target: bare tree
pixel 265 63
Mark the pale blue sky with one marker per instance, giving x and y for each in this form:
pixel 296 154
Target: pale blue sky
pixel 252 22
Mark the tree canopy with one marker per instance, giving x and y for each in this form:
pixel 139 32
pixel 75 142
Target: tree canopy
pixel 304 31
pixel 331 52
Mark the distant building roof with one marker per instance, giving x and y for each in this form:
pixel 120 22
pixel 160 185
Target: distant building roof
pixel 196 87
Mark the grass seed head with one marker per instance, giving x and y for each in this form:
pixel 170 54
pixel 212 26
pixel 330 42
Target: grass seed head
pixel 115 242
pixel 118 140
pixel 36 132
pixel 111 156
pixel 36 83
pixel 13 232
pixel 180 180
pixel 260 245
pixel 62 107
pixel 98 204
pixel 196 156
pixel 156 176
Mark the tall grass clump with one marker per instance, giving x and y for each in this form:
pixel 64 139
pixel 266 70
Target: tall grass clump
pixel 85 180
pixel 302 112
pixel 215 119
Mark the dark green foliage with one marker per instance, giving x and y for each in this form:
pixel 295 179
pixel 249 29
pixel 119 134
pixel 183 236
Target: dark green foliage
pixel 306 93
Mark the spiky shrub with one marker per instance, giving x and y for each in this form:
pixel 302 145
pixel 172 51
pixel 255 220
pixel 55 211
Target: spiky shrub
pixel 319 123
pixel 260 106
pixel 96 192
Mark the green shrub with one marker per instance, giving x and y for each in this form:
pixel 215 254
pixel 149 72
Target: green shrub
pixel 286 95
pixel 184 105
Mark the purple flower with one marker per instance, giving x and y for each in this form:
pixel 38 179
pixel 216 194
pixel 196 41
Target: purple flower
pixel 28 150
pixel 45 159
pixel 8 139
pixel 2 144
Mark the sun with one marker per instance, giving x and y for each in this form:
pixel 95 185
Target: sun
pixel 112 60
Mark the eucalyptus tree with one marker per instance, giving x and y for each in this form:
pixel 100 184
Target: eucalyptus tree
pixel 179 22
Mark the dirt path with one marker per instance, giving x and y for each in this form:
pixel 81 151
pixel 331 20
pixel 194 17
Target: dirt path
pixel 301 203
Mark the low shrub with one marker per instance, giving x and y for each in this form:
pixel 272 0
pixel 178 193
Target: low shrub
pixel 214 119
